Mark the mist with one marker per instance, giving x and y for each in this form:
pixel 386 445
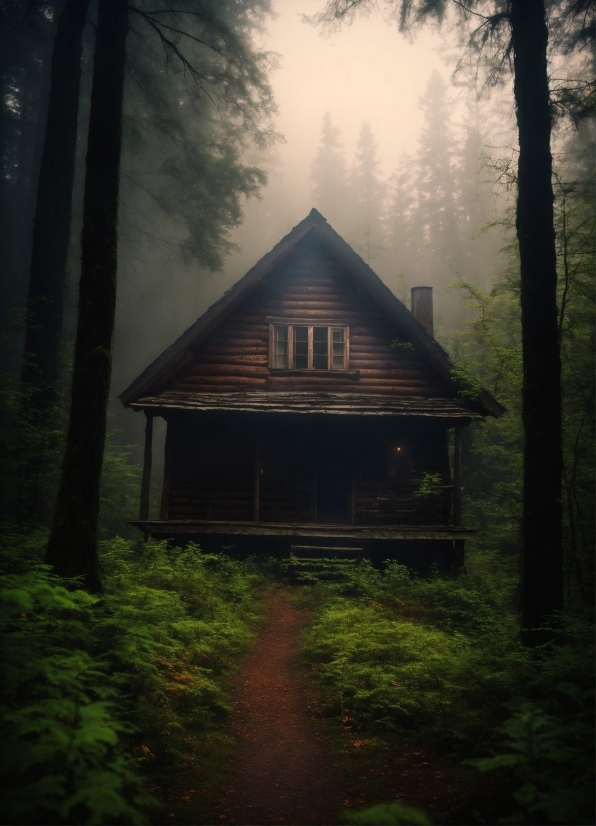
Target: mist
pixel 175 646
pixel 364 77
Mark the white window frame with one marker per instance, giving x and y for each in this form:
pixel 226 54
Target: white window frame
pixel 291 324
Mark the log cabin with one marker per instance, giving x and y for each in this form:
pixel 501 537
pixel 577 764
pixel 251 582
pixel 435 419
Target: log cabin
pixel 309 408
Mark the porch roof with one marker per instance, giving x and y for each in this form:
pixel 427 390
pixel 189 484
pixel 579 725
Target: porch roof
pixel 309 403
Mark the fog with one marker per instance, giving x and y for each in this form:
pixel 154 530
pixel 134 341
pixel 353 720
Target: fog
pixel 406 165
pixel 365 73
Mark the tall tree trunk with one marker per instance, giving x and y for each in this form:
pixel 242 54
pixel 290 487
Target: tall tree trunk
pixel 72 547
pixel 542 577
pixel 51 225
pixel 47 269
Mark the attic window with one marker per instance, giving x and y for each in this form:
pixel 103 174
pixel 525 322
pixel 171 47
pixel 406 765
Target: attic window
pixel 308 347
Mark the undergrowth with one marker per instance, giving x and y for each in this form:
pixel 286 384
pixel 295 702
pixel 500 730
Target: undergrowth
pixel 102 698
pixel 439 660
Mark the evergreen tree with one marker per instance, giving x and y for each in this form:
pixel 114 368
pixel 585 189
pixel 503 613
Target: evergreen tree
pixel 520 30
pixel 402 243
pixel 51 232
pixel 368 193
pixel 72 546
pixel 228 77
pixel 26 37
pixel 328 176
pixel 475 204
pixel 435 215
pixel 575 214
pixel 187 129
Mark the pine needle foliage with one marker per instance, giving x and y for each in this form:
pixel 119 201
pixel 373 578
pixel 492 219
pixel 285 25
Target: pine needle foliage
pixel 100 696
pixel 439 660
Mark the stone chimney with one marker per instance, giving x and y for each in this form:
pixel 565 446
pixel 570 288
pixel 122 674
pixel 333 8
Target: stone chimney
pixel 422 307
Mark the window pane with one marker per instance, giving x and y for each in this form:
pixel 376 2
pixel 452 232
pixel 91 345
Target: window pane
pixel 301 348
pixel 338 352
pixel 280 347
pixel 319 348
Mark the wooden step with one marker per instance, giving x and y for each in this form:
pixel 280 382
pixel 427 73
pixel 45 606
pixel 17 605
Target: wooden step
pixel 330 548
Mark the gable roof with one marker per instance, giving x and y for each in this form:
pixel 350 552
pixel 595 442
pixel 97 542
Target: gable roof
pixel 175 357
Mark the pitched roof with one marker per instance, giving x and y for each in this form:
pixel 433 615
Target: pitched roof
pixel 179 353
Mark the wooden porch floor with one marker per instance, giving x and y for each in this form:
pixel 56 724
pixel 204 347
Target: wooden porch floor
pixel 309 529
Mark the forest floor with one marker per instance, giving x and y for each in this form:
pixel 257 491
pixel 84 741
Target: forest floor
pixel 288 765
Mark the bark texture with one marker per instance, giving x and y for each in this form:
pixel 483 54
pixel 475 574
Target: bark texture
pixel 72 547
pixel 542 578
pixel 51 225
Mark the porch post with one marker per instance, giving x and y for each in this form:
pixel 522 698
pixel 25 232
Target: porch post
pixel 353 491
pixel 457 497
pixel 165 491
pixel 147 461
pixel 457 468
pixel 257 485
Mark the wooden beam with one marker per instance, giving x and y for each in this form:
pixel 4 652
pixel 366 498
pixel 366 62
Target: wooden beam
pixel 257 487
pixel 353 490
pixel 321 530
pixel 165 492
pixel 147 463
pixel 459 544
pixel 457 476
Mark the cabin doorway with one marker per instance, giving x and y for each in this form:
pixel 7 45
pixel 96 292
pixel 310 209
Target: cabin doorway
pixel 333 484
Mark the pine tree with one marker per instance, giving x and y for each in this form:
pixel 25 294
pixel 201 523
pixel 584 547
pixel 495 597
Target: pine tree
pixel 475 206
pixel 329 177
pixel 520 31
pixel 368 193
pixel 51 233
pixel 72 546
pixel 402 243
pixel 26 37
pixel 436 214
pixel 241 85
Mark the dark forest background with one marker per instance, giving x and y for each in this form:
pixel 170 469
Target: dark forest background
pixel 198 152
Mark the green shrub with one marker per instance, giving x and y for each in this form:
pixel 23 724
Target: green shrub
pixel 387 814
pixel 392 651
pixel 440 659
pixel 547 741
pixel 62 757
pixel 99 694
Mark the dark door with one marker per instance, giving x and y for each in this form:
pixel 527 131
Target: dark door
pixel 334 483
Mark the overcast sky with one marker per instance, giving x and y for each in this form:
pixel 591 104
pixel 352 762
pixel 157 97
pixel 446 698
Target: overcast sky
pixel 365 72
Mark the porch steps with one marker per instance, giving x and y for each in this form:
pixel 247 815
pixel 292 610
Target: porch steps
pixel 322 563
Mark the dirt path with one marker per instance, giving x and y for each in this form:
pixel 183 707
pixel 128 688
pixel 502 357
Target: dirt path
pixel 282 773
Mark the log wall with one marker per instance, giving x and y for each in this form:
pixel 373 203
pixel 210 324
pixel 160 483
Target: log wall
pixel 210 471
pixel 212 462
pixel 395 503
pixel 310 285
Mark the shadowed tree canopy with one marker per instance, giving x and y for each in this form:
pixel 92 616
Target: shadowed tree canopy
pixel 212 52
pixel 500 35
pixel 189 118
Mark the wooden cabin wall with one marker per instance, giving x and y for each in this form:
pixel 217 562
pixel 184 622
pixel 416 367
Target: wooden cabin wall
pixel 395 503
pixel 286 492
pixel 311 285
pixel 210 470
pixel 212 461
